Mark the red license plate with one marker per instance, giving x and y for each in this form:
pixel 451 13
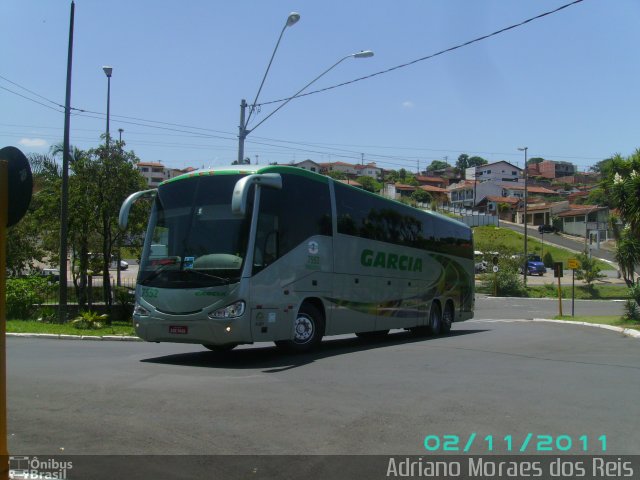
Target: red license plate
pixel 178 329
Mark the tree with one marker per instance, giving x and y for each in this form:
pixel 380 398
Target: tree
pixel 370 184
pixel 462 164
pixel 337 175
pixel 35 237
pixel 437 165
pixel 589 270
pixel 114 177
pixel 534 160
pixel 601 165
pixel 421 196
pixel 246 161
pixel 477 161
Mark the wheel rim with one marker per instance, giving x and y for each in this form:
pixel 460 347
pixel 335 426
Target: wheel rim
pixel 304 329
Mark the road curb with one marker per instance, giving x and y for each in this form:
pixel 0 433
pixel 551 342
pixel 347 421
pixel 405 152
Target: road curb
pixel 62 336
pixel 629 332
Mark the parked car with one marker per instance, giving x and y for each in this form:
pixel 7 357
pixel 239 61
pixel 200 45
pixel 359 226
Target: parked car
pixel 547 229
pixel 53 274
pixel 481 264
pixel 535 266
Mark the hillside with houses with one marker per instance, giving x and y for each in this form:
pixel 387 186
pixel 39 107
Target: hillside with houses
pixel 557 194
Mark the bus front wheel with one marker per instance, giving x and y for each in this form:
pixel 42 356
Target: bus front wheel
pixel 308 330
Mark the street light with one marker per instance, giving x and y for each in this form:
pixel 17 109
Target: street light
pixel 107 72
pixel 292 19
pixel 524 149
pixel 243 130
pixel 120 130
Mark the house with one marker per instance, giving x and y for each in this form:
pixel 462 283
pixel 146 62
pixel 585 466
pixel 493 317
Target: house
pixel 503 207
pixel 438 194
pixel 309 165
pixel 155 172
pixel 439 182
pixel 369 170
pixel 553 169
pixel 517 190
pixel 580 219
pixel 494 172
pixel 541 213
pixel 346 168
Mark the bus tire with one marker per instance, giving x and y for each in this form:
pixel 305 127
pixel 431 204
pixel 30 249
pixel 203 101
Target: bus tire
pixel 375 335
pixel 435 319
pixel 447 318
pixel 227 347
pixel 308 328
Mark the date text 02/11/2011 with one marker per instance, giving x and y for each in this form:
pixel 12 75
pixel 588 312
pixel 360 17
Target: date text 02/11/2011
pixel 511 443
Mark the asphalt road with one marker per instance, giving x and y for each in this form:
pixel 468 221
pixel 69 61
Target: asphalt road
pixel 489 376
pixel 560 240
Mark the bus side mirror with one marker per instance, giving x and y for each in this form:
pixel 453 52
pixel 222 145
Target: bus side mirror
pixel 123 218
pixel 241 189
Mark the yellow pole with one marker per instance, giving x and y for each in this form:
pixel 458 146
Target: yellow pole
pixel 4 213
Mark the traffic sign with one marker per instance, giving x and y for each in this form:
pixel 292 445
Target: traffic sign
pixel 20 183
pixel 573 264
pixel 557 269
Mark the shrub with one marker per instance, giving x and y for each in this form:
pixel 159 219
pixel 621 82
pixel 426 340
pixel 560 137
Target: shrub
pixel 548 260
pixel 47 315
pixel 589 270
pixel 88 320
pixel 507 281
pixel 23 294
pixel 631 311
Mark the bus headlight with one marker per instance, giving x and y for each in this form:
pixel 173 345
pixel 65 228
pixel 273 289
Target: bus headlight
pixel 140 310
pixel 231 311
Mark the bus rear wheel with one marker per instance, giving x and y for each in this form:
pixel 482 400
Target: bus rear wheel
pixel 447 318
pixel 435 319
pixel 308 330
pixel 227 347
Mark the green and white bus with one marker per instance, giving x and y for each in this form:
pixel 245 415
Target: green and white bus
pixel 245 254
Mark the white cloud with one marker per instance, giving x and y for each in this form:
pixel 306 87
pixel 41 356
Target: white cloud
pixel 408 104
pixel 33 142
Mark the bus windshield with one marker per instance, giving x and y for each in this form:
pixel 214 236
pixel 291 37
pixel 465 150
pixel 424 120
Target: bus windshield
pixel 193 239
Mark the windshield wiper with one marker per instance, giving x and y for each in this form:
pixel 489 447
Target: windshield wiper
pixel 209 275
pixel 156 272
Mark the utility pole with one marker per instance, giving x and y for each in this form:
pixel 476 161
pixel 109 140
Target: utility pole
pixel 526 260
pixel 64 203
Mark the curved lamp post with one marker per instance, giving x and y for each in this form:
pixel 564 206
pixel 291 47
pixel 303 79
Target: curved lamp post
pixel 243 130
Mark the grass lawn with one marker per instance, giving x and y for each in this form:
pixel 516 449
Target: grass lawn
pixel 550 290
pixel 582 292
pixel 602 320
pixel 32 326
pixel 492 239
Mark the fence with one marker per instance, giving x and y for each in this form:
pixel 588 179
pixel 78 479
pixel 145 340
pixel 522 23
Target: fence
pixel 481 220
pixel 95 293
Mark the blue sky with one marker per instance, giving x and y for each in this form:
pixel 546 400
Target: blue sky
pixel 566 86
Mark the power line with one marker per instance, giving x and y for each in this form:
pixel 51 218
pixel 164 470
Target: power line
pixel 428 57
